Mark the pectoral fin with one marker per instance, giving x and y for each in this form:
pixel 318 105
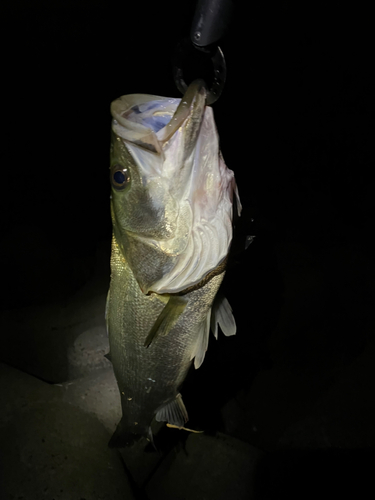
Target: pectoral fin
pixel 167 318
pixel 202 341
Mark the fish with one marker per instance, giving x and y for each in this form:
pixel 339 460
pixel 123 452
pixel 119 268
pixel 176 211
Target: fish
pixel 172 205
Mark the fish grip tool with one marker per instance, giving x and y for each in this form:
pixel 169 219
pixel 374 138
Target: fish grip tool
pixel 210 22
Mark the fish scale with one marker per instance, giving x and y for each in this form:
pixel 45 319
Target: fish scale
pixel 167 361
pixel 171 208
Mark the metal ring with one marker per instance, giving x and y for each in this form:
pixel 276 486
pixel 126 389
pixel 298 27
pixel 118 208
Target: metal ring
pixel 185 48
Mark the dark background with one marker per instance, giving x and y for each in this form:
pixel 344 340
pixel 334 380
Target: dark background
pixel 296 122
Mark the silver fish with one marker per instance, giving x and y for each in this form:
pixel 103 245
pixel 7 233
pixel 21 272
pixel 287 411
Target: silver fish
pixel 171 206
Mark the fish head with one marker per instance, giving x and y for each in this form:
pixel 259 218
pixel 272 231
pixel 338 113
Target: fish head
pixel 141 200
pixel 169 183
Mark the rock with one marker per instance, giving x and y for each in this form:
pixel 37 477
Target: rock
pixel 98 394
pixel 87 352
pixel 52 449
pixel 209 467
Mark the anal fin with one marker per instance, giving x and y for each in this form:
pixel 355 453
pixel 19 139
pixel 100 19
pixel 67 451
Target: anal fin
pixel 174 412
pixel 167 318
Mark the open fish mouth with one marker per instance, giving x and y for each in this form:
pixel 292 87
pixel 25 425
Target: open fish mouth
pixel 153 114
pixel 150 121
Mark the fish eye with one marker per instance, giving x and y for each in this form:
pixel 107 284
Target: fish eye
pixel 120 177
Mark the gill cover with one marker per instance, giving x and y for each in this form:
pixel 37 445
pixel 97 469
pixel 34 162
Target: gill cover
pixel 171 190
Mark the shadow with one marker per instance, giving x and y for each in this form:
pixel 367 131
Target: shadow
pixel 253 286
pixel 312 474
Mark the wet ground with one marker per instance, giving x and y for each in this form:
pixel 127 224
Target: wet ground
pixel 287 405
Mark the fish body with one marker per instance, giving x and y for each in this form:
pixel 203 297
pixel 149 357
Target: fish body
pixel 171 206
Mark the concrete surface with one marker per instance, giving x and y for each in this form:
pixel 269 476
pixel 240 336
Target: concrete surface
pixel 54 445
pixel 51 449
pixel 42 339
pixel 207 467
pixel 97 393
pixel 88 350
pixel 54 436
